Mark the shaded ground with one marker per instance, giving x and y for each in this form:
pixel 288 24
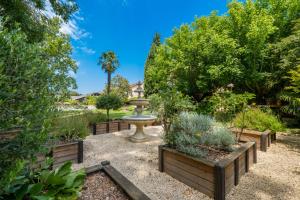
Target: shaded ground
pixel 99 186
pixel 275 176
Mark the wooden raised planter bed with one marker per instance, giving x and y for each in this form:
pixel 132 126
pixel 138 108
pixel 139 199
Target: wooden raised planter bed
pixel 128 187
pixel 262 139
pixel 213 178
pixel 109 127
pixel 71 151
pixel 61 153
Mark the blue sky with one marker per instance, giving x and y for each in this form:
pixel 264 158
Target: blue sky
pixel 127 28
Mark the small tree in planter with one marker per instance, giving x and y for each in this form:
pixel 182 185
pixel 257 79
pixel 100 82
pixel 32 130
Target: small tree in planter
pixel 167 105
pixel 108 102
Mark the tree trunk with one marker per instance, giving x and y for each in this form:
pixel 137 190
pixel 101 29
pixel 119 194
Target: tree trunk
pixel 107 114
pixel 108 82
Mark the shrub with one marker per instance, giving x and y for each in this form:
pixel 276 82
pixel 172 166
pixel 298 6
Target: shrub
pixel 108 102
pixel 168 105
pixel 220 137
pixel 71 128
pixel 191 130
pixel 224 104
pixel 94 117
pixel 256 119
pixel 60 183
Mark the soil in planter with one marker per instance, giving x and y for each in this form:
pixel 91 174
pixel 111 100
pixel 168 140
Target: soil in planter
pixel 98 186
pixel 216 154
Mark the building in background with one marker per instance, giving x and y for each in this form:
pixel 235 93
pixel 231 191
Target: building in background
pixel 133 87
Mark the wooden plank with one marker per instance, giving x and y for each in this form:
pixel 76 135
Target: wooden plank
pixel 66 158
pixel 219 183
pixel 192 177
pixel 67 147
pixel 236 171
pixel 64 153
pixel 229 183
pixel 160 158
pixel 189 182
pixel 189 159
pixel 130 189
pixel 194 169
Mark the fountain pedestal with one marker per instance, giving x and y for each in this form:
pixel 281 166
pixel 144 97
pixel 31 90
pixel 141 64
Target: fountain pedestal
pixel 139 120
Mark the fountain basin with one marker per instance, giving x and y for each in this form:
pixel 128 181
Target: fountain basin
pixel 139 121
pixel 139 102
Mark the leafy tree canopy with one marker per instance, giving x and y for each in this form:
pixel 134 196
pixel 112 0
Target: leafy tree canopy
pixel 32 17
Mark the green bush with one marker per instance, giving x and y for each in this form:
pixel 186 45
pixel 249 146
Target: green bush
pixel 108 102
pixel 94 117
pixel 44 184
pixel 256 119
pixel 191 130
pixel 71 128
pixel 168 105
pixel 224 104
pixel 220 137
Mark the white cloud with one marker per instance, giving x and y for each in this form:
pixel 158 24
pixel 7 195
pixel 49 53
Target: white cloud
pixel 87 50
pixel 71 27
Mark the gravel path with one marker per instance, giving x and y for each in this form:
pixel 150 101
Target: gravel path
pixel 98 186
pixel 275 176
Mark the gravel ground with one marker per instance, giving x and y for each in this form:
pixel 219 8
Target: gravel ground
pixel 275 176
pixel 99 186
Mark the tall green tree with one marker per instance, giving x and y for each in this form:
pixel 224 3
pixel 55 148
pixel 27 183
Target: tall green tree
pixel 148 84
pixel 120 86
pixel 109 63
pixel 34 77
pixel 239 48
pixel 31 15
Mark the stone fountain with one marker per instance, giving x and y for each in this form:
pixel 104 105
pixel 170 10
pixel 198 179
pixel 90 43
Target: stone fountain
pixel 139 120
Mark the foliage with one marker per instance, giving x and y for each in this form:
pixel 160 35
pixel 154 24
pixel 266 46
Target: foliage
pixel 241 47
pixel 60 183
pixel 220 137
pixel 292 94
pixel 148 85
pixel 109 63
pixel 32 15
pixel 108 102
pixel 91 100
pixel 258 120
pixel 190 131
pixel 291 60
pixel 120 87
pixel 224 104
pixel 71 127
pixel 94 117
pixel 74 93
pixel 168 105
pixel 34 77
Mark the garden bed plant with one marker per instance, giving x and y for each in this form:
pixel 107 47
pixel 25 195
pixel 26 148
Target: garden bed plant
pixel 255 124
pixel 205 155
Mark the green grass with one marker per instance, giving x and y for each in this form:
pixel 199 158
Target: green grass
pixel 113 114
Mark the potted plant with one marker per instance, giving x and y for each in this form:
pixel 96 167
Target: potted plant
pixel 204 155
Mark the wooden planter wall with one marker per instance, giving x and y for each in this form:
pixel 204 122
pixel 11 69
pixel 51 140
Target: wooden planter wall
pixel 262 139
pixel 109 127
pixel 72 151
pixel 214 179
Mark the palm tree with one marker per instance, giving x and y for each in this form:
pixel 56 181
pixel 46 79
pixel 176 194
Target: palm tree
pixel 109 62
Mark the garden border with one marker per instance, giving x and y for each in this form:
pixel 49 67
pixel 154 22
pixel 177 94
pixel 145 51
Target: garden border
pixel 128 187
pixel 213 178
pixel 109 127
pixel 263 139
